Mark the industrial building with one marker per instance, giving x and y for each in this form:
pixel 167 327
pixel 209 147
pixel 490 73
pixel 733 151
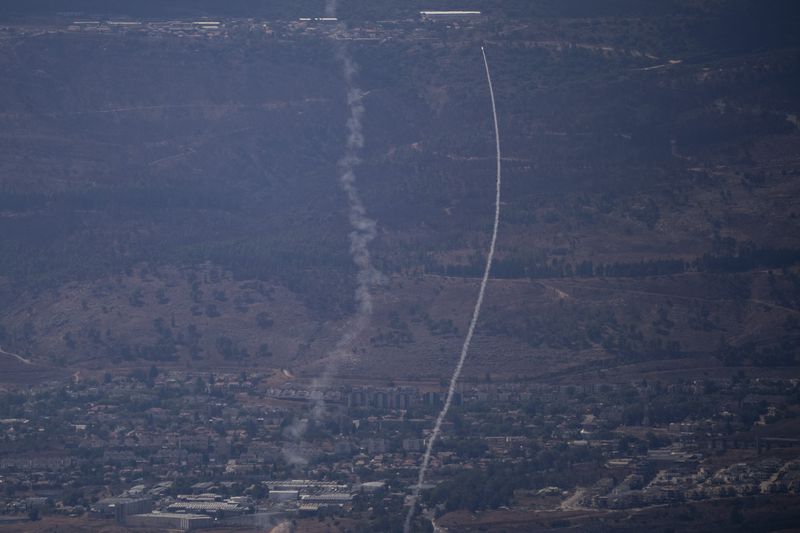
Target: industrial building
pixel 448 15
pixel 181 521
pixel 120 508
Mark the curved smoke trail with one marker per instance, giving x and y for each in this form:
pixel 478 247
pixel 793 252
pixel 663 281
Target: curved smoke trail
pixel 363 231
pixel 475 313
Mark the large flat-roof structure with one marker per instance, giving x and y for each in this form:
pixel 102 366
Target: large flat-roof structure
pixel 433 15
pixel 181 521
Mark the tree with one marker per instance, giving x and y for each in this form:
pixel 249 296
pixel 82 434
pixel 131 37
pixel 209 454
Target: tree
pixel 264 351
pixel 199 386
pixel 263 320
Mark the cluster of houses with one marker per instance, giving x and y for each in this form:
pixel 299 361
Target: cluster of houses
pixel 679 478
pixel 239 429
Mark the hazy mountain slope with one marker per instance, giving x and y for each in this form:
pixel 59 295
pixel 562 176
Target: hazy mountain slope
pixel 173 199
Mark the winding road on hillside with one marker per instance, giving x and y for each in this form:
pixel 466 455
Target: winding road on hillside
pixel 16 356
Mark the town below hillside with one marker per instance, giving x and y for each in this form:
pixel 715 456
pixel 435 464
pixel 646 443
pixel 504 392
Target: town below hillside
pixel 185 450
pixel 218 310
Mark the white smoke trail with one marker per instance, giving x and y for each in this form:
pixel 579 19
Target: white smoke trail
pixel 475 313
pixel 363 227
pixel 363 231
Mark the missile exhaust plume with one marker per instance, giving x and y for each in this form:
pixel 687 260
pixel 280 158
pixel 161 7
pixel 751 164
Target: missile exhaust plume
pixel 363 228
pixel 363 231
pixel 475 314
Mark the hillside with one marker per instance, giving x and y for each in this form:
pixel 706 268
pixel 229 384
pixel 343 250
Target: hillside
pixel 169 196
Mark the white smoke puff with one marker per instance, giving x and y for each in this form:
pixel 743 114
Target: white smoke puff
pixel 290 450
pixel 285 527
pixel 475 314
pixel 296 429
pixel 294 455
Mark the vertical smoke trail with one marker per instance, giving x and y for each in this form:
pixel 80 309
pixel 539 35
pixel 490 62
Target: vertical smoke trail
pixel 363 231
pixel 363 227
pixel 475 313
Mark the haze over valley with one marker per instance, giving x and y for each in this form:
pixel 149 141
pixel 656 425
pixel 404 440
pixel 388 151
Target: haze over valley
pixel 288 210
